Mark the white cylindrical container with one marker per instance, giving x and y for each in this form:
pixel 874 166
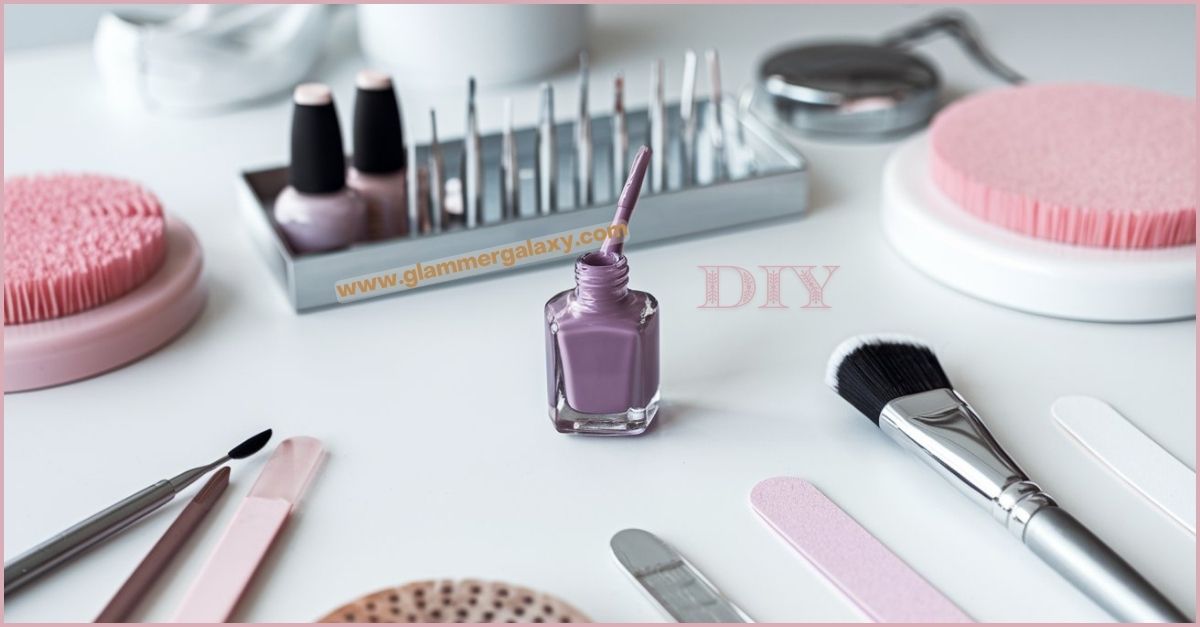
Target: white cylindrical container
pixel 440 45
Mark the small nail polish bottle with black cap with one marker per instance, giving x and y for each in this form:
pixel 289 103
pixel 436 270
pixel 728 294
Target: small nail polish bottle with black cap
pixel 380 157
pixel 316 211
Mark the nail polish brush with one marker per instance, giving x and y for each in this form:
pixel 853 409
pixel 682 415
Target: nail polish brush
pixel 620 133
pixel 583 140
pixel 114 519
pixel 510 183
pixel 614 244
pixel 472 163
pixel 547 154
pixel 658 128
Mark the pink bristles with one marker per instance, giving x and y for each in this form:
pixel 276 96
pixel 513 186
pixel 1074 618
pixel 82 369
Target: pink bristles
pixel 76 241
pixel 1091 165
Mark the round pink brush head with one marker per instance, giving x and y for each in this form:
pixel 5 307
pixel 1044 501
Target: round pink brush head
pixel 74 242
pixel 1090 165
pixel 96 276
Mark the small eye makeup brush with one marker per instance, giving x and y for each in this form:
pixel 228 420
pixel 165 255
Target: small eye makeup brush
pixel 898 383
pixel 115 519
pixel 615 243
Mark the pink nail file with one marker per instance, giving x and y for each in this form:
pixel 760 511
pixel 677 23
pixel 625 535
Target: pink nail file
pixel 232 565
pixel 870 575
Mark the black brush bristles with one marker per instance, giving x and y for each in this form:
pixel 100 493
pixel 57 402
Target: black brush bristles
pixel 870 371
pixel 251 446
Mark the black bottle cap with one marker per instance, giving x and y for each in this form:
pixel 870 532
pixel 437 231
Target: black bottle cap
pixel 378 134
pixel 318 158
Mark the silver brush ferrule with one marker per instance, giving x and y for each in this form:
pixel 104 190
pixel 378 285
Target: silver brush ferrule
pixel 939 427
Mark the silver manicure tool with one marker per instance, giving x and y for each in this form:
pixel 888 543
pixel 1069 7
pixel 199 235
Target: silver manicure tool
pixel 716 120
pixel 472 163
pixel 658 129
pixel 687 114
pixel 437 178
pixel 620 134
pixel 547 155
pixel 584 195
pixel 114 519
pixel 673 584
pixel 510 181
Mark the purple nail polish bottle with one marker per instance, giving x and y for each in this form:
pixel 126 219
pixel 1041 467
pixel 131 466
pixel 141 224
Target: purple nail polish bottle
pixel 602 338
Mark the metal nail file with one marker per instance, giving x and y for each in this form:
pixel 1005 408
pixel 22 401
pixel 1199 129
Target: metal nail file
pixel 678 589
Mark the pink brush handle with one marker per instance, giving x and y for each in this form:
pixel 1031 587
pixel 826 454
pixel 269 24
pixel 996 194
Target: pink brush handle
pixel 870 575
pixel 232 565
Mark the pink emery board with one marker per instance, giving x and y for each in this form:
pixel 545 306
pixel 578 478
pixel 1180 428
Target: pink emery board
pixel 871 576
pixel 232 565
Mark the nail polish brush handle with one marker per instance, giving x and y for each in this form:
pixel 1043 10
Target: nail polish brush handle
pixel 1084 560
pixel 91 531
pixel 613 244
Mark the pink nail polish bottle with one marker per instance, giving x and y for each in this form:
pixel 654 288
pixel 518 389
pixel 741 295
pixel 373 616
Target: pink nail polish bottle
pixel 602 337
pixel 316 211
pixel 380 159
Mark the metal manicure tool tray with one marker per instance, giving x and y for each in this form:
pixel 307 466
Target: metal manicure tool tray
pixel 761 178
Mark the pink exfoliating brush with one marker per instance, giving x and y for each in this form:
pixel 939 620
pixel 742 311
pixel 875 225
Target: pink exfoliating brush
pixel 1068 200
pixel 96 276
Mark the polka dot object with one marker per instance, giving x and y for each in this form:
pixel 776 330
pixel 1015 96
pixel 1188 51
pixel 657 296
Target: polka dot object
pixel 76 241
pixel 1090 165
pixel 448 601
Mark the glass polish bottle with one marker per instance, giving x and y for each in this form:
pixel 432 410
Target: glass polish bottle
pixel 602 338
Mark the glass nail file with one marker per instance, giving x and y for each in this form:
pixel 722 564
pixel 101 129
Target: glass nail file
pixel 678 589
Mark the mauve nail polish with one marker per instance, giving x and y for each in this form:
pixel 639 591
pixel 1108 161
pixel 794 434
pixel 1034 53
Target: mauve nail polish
pixel 602 337
pixel 317 212
pixel 602 351
pixel 380 157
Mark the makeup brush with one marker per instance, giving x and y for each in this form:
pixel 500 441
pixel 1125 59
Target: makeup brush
pixel 898 383
pixel 658 128
pixel 116 518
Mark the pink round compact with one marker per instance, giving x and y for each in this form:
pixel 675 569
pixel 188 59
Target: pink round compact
pixel 1092 165
pixel 96 276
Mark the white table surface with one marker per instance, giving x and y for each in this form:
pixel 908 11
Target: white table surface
pixel 442 461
